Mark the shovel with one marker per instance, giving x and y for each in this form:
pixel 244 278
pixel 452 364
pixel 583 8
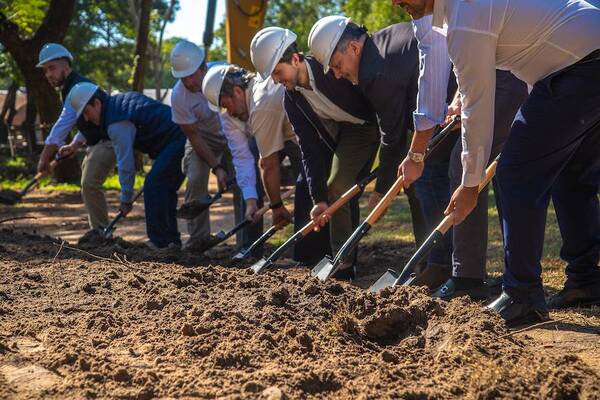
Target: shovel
pixel 259 242
pixel 106 233
pixel 263 263
pixel 196 207
pixel 391 278
pixel 11 197
pixel 222 236
pixel 327 266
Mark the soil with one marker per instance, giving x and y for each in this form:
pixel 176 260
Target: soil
pixel 137 325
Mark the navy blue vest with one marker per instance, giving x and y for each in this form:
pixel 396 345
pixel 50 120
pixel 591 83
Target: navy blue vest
pixel 152 119
pixel 92 133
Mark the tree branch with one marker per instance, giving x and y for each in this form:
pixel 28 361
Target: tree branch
pixel 56 22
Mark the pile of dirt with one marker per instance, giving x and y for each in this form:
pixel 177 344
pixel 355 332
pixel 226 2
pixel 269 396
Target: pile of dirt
pixel 73 328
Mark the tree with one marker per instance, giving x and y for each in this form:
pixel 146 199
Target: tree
pixel 18 37
pixel 374 14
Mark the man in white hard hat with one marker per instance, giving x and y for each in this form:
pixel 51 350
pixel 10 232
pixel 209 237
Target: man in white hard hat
pixel 99 162
pixel 330 118
pixel 259 105
pixel 552 148
pixel 206 147
pixel 384 66
pixel 133 121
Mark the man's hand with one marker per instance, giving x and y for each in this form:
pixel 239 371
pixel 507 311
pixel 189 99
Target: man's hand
pixel 281 216
pixel 463 201
pixel 125 208
pixel 43 166
pixel 374 199
pixel 251 209
pixel 316 214
pixel 69 149
pixel 221 175
pixel 411 171
pixel 454 109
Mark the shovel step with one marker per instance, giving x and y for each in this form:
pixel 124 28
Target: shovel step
pixel 324 269
pixel 386 280
pixel 261 264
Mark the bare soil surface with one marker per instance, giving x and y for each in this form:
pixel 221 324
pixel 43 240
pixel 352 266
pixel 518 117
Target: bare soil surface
pixel 113 319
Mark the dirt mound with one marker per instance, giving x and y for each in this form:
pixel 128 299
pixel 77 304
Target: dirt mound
pixel 109 329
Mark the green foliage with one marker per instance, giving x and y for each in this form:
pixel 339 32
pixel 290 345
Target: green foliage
pixel 375 14
pixel 27 14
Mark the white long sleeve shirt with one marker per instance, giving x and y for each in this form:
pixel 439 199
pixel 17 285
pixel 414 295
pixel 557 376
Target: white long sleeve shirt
pixel 434 72
pixel 532 39
pixel 63 125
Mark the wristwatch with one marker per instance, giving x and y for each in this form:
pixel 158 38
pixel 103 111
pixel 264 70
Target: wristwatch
pixel 277 205
pixel 416 157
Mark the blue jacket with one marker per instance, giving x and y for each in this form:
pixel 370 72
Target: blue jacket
pixel 316 143
pixel 152 119
pixel 92 133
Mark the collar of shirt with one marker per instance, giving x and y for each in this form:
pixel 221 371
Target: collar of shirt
pixel 371 62
pixel 439 17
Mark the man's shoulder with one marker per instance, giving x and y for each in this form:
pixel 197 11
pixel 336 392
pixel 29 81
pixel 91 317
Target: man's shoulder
pixel 267 94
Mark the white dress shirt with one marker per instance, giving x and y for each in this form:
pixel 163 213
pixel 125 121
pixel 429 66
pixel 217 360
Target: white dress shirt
pixel 532 39
pixel 434 72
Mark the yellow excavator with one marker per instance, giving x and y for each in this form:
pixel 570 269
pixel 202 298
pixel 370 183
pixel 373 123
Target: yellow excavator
pixel 244 18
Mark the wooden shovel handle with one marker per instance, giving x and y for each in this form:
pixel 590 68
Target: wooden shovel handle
pixel 261 211
pixel 384 203
pixel 490 171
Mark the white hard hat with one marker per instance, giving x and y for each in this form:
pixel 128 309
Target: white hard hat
pixel 324 37
pixel 52 51
pixel 212 83
pixel 186 58
pixel 80 95
pixel 267 48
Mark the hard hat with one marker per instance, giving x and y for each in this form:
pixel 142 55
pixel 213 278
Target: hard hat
pixel 267 48
pixel 52 51
pixel 80 95
pixel 186 58
pixel 324 37
pixel 212 83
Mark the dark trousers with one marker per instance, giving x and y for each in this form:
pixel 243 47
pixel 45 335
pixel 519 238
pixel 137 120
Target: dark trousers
pixel 160 194
pixel 315 245
pixel 552 151
pixel 470 239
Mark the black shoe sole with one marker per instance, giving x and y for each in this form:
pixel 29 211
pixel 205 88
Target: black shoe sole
pixel 582 304
pixel 528 319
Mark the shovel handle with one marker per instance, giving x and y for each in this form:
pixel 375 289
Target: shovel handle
pixel 263 210
pixel 385 202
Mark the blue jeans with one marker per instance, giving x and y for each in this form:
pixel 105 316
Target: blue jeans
pixel 160 194
pixel 433 191
pixel 553 151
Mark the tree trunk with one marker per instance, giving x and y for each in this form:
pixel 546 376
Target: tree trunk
pixel 141 46
pixel 25 53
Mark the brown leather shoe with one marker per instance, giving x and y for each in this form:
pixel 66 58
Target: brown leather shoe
pixel 575 297
pixel 433 276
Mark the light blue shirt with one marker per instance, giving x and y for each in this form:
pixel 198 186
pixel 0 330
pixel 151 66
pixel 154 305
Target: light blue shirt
pixel 122 136
pixel 434 72
pixel 63 125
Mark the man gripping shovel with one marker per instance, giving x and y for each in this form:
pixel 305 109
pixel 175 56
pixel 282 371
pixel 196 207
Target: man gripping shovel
pixel 391 278
pixel 327 266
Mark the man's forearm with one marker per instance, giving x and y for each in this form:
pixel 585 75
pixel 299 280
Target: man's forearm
pixel 271 175
pixel 48 151
pixel 199 145
pixel 420 140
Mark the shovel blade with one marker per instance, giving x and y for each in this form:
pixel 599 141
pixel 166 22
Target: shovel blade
pixel 9 197
pixel 324 269
pixel 385 281
pixel 260 265
pixel 239 256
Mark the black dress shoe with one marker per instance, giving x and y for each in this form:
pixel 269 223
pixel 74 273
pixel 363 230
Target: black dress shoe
pixel 450 290
pixel 515 313
pixel 576 297
pixel 433 276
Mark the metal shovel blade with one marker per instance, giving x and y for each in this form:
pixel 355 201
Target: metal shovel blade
pixel 239 256
pixel 324 269
pixel 9 197
pixel 261 264
pixel 385 281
